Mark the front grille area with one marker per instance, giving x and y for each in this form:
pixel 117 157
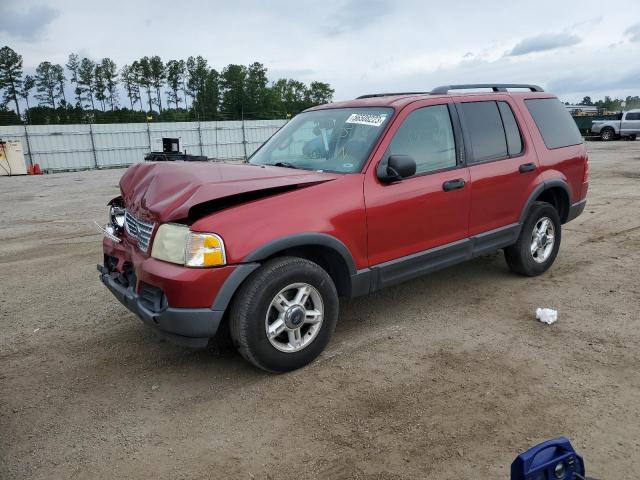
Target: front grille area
pixel 138 229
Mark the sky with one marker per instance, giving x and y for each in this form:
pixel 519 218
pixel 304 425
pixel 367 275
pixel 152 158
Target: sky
pixel 571 48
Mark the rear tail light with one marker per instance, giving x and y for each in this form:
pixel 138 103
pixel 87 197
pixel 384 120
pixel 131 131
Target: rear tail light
pixel 586 169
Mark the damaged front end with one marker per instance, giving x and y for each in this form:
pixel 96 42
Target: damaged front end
pixel 115 225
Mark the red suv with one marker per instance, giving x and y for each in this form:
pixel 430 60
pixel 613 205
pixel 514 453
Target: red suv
pixel 345 199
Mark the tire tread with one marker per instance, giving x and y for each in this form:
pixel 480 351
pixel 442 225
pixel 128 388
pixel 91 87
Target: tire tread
pixel 245 299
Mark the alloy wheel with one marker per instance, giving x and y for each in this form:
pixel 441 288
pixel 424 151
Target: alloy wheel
pixel 294 317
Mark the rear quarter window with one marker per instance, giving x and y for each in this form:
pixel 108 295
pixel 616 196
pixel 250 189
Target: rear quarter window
pixel 554 122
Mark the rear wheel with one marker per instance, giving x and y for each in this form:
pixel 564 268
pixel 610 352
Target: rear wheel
pixel 538 243
pixel 607 134
pixel 284 314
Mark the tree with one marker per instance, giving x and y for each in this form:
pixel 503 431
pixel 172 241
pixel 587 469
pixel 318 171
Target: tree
pixel 320 93
pixel 232 85
pixel 256 92
pixel 632 102
pixel 197 73
pixel 609 104
pixel 27 85
pixel 10 75
pixel 208 99
pixel 58 74
pixel 47 84
pixel 109 73
pixel 99 85
pixel 73 65
pixel 86 81
pixel 586 101
pixel 128 75
pixel 292 95
pixel 143 73
pixel 157 77
pixel 175 79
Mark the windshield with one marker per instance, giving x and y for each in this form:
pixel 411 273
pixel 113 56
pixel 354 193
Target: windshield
pixel 333 140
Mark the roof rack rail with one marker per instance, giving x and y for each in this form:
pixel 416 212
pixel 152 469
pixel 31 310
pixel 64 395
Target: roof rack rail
pixel 374 95
pixel 496 87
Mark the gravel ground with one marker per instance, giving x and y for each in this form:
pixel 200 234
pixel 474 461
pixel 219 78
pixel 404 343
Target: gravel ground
pixel 447 376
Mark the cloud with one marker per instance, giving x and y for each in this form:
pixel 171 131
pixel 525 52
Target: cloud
pixel 355 15
pixel 544 42
pixel 26 24
pixel 633 32
pixel 596 81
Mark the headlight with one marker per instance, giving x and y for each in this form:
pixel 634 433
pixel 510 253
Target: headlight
pixel 177 244
pixel 116 216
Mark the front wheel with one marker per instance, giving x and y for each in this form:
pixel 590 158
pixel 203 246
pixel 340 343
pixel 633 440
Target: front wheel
pixel 284 314
pixel 538 243
pixel 607 134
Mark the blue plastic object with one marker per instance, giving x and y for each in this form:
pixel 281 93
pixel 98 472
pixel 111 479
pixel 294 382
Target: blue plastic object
pixel 551 460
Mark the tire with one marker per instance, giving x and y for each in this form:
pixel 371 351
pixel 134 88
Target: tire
pixel 520 257
pixel 632 138
pixel 255 312
pixel 607 134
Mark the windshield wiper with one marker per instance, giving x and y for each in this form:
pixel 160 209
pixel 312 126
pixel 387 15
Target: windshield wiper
pixel 284 164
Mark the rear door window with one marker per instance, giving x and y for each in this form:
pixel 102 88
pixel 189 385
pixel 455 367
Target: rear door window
pixel 511 130
pixel 633 116
pixel 483 124
pixel 554 122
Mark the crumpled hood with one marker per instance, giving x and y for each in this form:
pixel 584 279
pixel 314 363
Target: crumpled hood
pixel 166 191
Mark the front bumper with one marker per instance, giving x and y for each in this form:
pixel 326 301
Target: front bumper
pixel 190 327
pixel 184 305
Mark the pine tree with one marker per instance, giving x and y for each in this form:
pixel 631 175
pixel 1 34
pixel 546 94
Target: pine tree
pixel 130 83
pixel 175 78
pixel 73 65
pixel 86 74
pixel 110 77
pixel 27 85
pixel 46 84
pixel 10 75
pixel 157 77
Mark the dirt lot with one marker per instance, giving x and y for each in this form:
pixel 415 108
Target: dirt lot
pixel 448 376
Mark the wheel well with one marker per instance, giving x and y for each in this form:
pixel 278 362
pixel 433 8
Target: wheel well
pixel 330 260
pixel 558 197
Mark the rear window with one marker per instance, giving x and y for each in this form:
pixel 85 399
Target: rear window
pixel 554 122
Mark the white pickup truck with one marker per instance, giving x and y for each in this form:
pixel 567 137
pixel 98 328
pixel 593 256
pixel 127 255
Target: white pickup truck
pixel 627 126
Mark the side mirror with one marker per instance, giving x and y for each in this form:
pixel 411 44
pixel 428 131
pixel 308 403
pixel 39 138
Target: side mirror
pixel 396 168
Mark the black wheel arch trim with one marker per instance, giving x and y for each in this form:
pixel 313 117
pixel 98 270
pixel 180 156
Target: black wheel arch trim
pixel 303 240
pixel 546 185
pixel 254 259
pixel 231 285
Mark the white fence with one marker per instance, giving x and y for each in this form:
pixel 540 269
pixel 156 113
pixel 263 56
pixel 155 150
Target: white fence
pixel 82 146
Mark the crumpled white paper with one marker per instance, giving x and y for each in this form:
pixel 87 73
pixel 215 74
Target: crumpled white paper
pixel 547 315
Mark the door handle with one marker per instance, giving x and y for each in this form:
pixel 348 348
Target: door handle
pixel 527 167
pixel 453 184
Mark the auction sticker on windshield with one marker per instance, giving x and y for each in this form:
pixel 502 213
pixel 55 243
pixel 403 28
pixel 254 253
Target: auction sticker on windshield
pixel 367 119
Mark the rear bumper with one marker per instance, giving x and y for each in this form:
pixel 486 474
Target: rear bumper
pixel 576 209
pixel 190 327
